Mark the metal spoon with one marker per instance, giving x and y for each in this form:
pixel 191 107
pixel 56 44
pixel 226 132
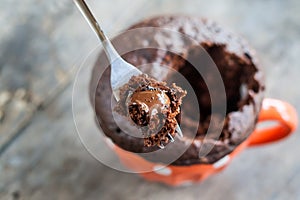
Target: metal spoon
pixel 121 71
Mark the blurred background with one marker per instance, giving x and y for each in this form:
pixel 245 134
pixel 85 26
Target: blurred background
pixel 41 44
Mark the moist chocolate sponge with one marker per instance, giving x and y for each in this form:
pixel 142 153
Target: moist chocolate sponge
pixel 241 73
pixel 152 106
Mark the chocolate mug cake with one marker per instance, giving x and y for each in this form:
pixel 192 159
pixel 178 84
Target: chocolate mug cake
pixel 240 71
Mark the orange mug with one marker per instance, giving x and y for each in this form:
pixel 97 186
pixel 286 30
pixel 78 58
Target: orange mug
pixel 275 110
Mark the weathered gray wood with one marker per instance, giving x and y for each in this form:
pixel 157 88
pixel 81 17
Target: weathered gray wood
pixel 48 160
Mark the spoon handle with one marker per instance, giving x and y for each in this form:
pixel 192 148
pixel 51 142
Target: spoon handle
pixel 110 51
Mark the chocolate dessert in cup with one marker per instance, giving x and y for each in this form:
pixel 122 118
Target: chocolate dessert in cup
pixel 225 98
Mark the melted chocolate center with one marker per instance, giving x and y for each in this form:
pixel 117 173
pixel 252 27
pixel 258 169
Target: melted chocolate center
pixel 151 98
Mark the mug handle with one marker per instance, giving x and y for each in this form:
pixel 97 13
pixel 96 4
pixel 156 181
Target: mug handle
pixel 286 122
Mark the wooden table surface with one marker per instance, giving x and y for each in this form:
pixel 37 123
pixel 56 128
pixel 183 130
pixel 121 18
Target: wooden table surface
pixel 42 44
